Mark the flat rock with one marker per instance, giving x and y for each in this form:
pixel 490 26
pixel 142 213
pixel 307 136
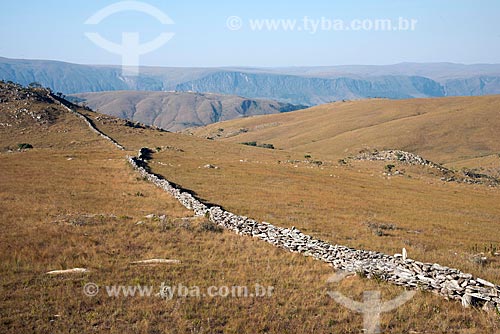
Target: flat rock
pixel 67 271
pixel 156 261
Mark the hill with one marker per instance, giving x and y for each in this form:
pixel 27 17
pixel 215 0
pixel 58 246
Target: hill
pixel 176 110
pixel 72 201
pixel 296 85
pixel 444 130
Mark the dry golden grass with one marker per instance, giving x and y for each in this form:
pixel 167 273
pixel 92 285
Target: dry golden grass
pixel 442 129
pixel 444 222
pixel 46 226
pixel 57 213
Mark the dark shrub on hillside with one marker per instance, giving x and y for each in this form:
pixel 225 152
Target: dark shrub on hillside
pixel 208 226
pixel 24 146
pixel 250 143
pixel 269 146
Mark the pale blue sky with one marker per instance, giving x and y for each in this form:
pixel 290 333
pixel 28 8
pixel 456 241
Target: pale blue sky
pixel 447 30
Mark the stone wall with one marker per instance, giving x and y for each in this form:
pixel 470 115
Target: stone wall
pixel 448 282
pixel 399 270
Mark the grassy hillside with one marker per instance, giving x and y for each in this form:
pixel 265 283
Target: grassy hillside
pixel 447 223
pixel 72 201
pixel 333 202
pixel 443 130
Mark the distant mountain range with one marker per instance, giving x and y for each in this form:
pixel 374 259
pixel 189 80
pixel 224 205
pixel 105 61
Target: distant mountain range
pixel 297 85
pixel 179 110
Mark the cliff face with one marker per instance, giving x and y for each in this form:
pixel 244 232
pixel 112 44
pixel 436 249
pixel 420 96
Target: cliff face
pixel 475 86
pixel 313 91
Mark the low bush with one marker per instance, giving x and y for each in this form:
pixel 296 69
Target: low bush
pixel 208 226
pixel 389 168
pixel 250 143
pixel 24 146
pixel 254 143
pixel 269 146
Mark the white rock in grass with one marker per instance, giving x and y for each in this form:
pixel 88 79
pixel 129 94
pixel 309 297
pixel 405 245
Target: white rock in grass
pixel 209 166
pixel 156 261
pixel 67 271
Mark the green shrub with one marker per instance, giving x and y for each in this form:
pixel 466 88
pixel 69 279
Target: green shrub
pixel 208 226
pixel 250 143
pixel 254 143
pixel 389 168
pixel 24 146
pixel 269 146
pixel 165 225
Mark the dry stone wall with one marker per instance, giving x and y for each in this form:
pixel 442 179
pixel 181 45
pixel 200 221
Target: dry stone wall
pixel 448 282
pixel 87 120
pixel 399 270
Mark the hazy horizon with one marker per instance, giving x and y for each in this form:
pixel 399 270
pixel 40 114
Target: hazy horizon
pixel 262 34
pixel 259 67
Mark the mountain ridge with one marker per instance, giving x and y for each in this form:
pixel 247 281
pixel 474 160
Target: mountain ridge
pixel 176 111
pixel 405 80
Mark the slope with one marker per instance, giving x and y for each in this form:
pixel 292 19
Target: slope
pixel 443 130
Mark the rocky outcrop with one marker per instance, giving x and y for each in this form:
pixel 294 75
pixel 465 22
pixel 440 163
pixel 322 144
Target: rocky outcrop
pixel 398 155
pixel 398 269
pixel 448 175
